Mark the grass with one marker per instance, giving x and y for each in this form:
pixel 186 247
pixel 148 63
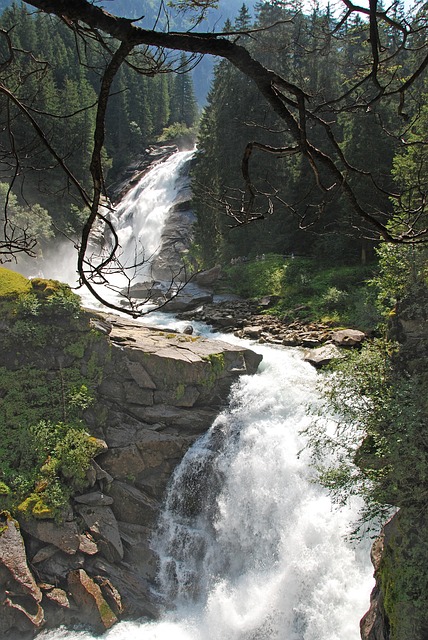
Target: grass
pixel 337 295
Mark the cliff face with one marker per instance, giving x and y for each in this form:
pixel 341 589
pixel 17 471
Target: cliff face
pixel 157 392
pixel 398 603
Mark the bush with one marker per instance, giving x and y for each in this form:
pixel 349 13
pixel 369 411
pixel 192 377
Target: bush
pixel 44 448
pixel 256 278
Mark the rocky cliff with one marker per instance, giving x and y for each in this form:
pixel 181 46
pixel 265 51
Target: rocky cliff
pixel 156 392
pixel 398 603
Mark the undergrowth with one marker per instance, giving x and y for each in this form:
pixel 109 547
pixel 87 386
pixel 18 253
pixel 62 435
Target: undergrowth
pixel 45 450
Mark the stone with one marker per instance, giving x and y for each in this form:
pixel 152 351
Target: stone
pixel 135 395
pixel 252 332
pixel 321 356
pixel 139 553
pixel 57 596
pixel 87 545
pixel 44 554
pixel 208 278
pixel 188 330
pixel 348 337
pixel 140 375
pixel 88 596
pixel 150 461
pixel 94 498
pixel 65 535
pixel 136 595
pixel 133 505
pixel 102 524
pixel 56 568
pixel 110 593
pixel 181 396
pixel 13 558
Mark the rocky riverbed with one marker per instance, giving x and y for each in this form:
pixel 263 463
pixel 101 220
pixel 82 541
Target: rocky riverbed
pixel 246 319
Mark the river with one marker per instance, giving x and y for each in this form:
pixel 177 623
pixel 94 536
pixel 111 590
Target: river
pixel 249 546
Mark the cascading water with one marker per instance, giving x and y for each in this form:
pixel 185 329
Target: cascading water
pixel 249 547
pixel 141 214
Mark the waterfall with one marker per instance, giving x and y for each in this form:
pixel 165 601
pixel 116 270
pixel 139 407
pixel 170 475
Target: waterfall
pixel 140 217
pixel 250 548
pixel 139 221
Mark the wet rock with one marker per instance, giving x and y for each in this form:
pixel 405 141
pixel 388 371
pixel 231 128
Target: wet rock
pixel 136 595
pixel 188 330
pixel 190 297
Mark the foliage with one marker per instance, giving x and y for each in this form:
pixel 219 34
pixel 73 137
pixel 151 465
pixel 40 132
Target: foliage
pixel 45 449
pixel 179 133
pixel 403 575
pixel 236 113
pixel 58 77
pixel 401 268
pixel 33 220
pixel 257 277
pixel 379 449
pixel 12 283
pixel 307 292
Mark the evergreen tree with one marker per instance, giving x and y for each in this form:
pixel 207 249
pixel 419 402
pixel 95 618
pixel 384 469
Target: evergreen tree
pixel 183 106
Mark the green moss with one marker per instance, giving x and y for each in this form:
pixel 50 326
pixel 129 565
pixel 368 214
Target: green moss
pixel 34 506
pixel 217 361
pixel 217 365
pixel 13 284
pixel 4 489
pixel 180 391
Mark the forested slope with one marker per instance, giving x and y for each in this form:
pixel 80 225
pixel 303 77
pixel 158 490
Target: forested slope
pixel 295 215
pixel 57 77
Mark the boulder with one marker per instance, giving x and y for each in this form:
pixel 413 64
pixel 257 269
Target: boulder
pixel 321 356
pixel 190 297
pixel 102 524
pixel 208 278
pixel 95 498
pixel 87 594
pixel 13 558
pixel 136 594
pixel 19 593
pixel 65 535
pixel 133 505
pixel 348 337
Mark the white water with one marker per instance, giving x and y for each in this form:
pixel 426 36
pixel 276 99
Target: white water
pixel 264 555
pixel 139 221
pixel 140 217
pixel 249 547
